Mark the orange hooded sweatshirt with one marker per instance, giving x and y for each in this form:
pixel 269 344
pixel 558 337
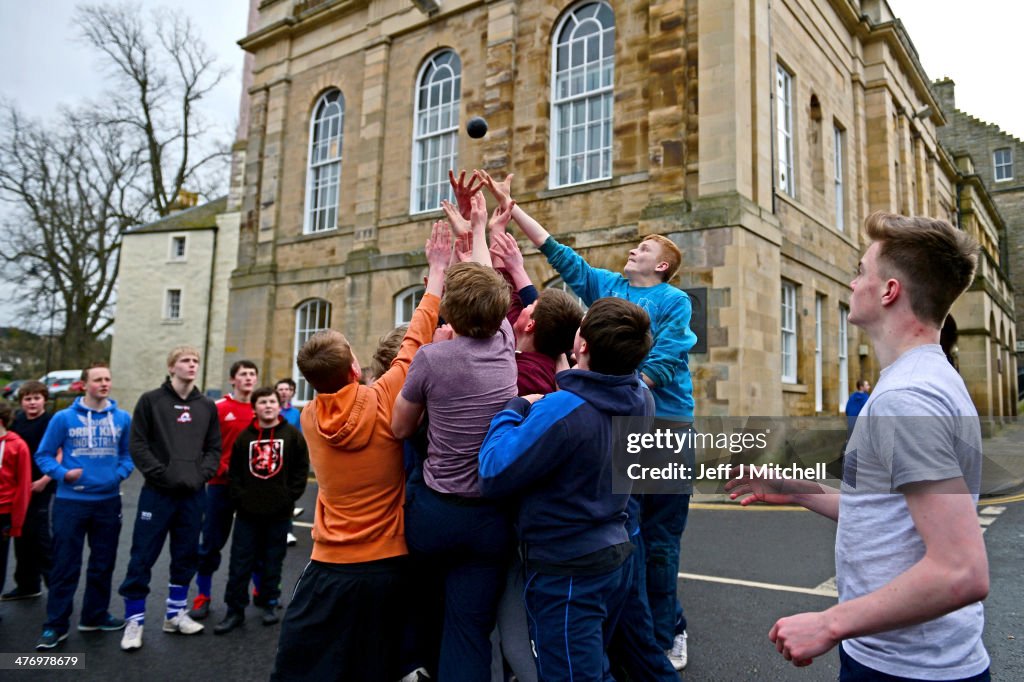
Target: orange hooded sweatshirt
pixel 358 461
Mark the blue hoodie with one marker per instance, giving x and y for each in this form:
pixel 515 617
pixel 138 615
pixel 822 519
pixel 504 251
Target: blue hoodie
pixel 669 308
pixel 95 441
pixel 557 456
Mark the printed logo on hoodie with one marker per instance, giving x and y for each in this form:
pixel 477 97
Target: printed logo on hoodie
pixel 265 458
pixel 94 438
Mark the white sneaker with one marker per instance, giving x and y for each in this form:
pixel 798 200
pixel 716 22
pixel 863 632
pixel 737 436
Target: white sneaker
pixel 292 540
pixel 417 675
pixel 132 637
pixel 677 654
pixel 182 623
pixel 297 511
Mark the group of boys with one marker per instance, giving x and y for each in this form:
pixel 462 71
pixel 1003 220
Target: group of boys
pixel 175 438
pixel 464 454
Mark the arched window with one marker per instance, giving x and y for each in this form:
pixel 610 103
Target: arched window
pixel 559 283
pixel 406 302
pixel 311 317
pixel 583 73
pixel 325 133
pixel 435 130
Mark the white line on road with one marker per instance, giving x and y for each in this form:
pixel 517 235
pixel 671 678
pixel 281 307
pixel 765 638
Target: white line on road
pixel 304 524
pixel 820 591
pixel 992 510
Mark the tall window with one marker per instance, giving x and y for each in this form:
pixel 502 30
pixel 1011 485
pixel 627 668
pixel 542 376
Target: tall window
pixel 840 203
pixel 784 116
pixel 310 317
pixel 435 138
pixel 844 363
pixel 405 304
pixel 325 132
pixel 1002 160
pixel 818 381
pixel 583 65
pixel 172 304
pixel 788 333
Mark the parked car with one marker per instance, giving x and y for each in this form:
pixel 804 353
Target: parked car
pixel 10 390
pixel 61 379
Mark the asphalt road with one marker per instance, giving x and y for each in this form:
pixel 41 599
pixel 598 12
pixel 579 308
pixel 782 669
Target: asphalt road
pixel 742 569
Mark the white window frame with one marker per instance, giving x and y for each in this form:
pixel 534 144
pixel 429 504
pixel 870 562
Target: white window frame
pixel 784 129
pixel 838 140
pixel 844 357
pixel 311 316
pixel 818 378
pixel 435 144
pixel 173 300
pixel 173 251
pixel 582 95
pixel 1002 168
pixel 411 296
pixel 787 326
pixel 323 174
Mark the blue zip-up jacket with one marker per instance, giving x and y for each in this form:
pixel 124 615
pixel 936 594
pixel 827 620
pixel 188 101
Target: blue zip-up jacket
pixel 557 455
pixel 96 441
pixel 667 365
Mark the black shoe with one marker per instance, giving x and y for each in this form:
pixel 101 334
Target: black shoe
pixel 270 614
pixel 230 622
pixel 18 593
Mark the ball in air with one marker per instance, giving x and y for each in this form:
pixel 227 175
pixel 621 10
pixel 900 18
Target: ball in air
pixel 476 127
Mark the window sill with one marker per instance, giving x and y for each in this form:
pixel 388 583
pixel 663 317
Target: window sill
pixel 794 388
pixel 176 320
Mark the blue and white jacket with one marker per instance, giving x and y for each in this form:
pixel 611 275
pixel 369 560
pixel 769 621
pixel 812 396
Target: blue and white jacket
pixel 96 441
pixel 557 457
pixel 667 365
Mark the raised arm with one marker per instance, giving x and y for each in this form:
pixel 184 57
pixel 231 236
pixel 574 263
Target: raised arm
pixel 505 247
pixel 464 191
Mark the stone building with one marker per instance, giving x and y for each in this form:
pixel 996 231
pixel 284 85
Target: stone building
pixel 756 135
pixel 996 157
pixel 173 290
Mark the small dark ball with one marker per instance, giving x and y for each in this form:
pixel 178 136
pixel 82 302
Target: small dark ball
pixel 476 127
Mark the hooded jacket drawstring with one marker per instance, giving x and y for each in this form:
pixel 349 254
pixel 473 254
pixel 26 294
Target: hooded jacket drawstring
pixel 110 422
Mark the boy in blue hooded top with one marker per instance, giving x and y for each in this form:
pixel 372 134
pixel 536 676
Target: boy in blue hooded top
pixel 645 278
pixel 555 454
pixel 93 436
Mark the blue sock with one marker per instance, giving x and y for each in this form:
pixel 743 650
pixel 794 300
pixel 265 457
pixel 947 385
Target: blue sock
pixel 204 583
pixel 177 599
pixel 135 610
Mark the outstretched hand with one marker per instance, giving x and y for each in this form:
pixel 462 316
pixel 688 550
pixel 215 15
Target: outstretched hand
pixel 505 248
pixel 500 218
pixel 478 213
pixel 439 247
pixel 460 225
pixel 463 248
pixel 463 191
pixel 751 490
pixel 501 191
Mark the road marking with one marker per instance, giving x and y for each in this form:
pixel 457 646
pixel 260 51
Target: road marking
pixel 304 524
pixel 992 510
pixel 986 520
pixel 1003 500
pixel 821 591
pixel 736 506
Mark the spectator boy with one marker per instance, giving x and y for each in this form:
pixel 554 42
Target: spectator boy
pixel 267 474
pixel 92 434
pixel 175 443
pixel 285 389
pixel 15 484
pixel 234 414
pixel 911 565
pixel 34 548
pixel 346 615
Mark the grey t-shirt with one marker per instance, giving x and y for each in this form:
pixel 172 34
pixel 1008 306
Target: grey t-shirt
pixel 918 425
pixel 464 383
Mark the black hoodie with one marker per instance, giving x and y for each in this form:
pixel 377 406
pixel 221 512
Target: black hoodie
pixel 175 443
pixel 268 470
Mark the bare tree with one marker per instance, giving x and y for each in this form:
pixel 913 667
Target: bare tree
pixel 160 72
pixel 72 188
pixel 75 185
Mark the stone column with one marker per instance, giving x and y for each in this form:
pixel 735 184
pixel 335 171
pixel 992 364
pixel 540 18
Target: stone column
pixel 499 86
